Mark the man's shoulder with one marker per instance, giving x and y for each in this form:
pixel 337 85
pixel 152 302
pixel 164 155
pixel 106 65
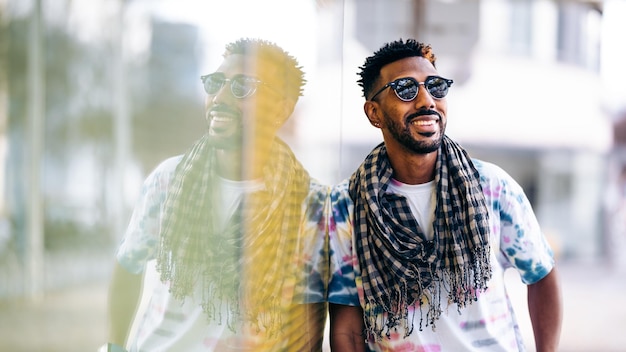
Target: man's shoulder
pixel 316 185
pixel 488 170
pixel 341 188
pixel 495 180
pixel 169 164
pixel 166 167
pixel 162 173
pixel 340 195
pixel 343 184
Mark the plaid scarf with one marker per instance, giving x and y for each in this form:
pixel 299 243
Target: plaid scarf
pixel 399 266
pixel 243 266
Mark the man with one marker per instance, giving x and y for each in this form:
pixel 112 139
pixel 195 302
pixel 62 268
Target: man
pixel 230 228
pixel 422 233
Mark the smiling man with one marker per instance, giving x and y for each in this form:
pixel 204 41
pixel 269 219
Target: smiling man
pixel 422 233
pixel 231 226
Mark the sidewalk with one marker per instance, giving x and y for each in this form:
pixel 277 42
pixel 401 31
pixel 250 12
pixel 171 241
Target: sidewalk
pixel 594 309
pixel 68 320
pixel 75 319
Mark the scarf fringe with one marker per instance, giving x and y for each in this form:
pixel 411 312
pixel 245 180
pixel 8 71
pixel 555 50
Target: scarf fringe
pixel 384 315
pixel 399 267
pixel 238 271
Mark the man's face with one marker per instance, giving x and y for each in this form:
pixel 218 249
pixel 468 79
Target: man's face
pixel 234 123
pixel 418 125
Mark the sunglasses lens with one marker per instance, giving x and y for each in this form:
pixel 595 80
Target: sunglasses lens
pixel 406 88
pixel 437 87
pixel 213 83
pixel 242 86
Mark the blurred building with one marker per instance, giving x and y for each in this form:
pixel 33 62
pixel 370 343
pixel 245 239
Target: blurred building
pixel 527 96
pixel 538 90
pixel 107 106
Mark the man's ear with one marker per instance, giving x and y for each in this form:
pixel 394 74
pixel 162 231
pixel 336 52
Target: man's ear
pixel 287 106
pixel 371 110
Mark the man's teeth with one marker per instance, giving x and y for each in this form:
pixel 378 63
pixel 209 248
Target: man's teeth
pixel 221 118
pixel 423 122
pixel 217 116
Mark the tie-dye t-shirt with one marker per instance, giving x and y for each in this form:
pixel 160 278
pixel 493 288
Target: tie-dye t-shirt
pixel 164 323
pixel 489 324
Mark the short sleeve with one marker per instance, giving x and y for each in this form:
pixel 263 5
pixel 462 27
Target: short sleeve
pixel 140 241
pixel 522 243
pixel 342 288
pixel 313 254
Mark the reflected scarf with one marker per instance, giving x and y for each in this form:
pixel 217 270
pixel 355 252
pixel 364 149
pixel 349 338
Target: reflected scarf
pixel 244 264
pixel 399 267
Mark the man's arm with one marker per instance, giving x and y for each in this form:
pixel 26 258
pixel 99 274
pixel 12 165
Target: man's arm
pixel 124 294
pixel 346 328
pixel 305 327
pixel 544 306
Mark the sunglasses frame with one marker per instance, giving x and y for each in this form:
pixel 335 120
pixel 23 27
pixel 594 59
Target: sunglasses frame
pixel 256 82
pixel 393 84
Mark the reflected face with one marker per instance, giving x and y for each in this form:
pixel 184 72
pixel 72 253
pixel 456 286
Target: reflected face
pixel 417 126
pixel 234 119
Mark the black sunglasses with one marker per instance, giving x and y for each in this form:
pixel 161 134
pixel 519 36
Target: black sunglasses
pixel 241 86
pixel 406 88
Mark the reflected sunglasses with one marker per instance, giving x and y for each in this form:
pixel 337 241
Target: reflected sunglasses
pixel 406 88
pixel 241 86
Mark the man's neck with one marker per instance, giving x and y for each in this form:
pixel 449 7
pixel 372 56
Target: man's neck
pixel 234 164
pixel 413 169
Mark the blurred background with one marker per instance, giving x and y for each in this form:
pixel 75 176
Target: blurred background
pixel 95 93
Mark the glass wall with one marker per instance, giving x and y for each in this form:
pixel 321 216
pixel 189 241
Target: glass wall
pixel 94 94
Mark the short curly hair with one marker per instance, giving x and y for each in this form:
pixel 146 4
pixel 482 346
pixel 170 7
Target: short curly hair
pixel 288 65
pixel 388 53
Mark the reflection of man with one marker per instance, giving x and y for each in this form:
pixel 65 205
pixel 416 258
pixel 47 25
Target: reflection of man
pixel 227 224
pixel 424 233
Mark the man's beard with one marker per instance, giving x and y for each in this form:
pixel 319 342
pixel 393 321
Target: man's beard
pixel 226 135
pixel 233 142
pixel 402 133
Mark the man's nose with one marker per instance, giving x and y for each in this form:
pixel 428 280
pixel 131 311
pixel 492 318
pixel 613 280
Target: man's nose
pixel 424 99
pixel 223 94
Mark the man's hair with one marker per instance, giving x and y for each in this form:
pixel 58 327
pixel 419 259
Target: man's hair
pixel 388 53
pixel 266 51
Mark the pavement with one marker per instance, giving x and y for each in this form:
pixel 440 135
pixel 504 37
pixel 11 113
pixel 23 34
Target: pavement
pixel 74 319
pixel 594 308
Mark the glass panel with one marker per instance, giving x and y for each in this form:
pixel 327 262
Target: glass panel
pixel 97 95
